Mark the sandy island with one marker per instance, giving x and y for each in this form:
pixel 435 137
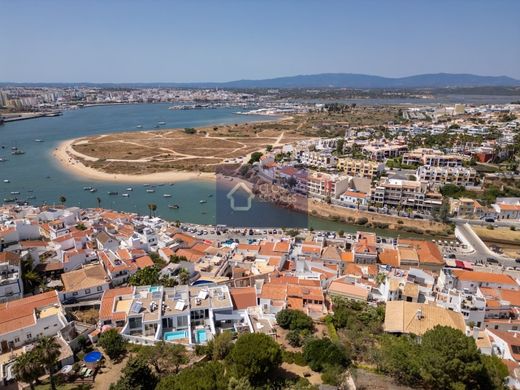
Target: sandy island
pixel 69 160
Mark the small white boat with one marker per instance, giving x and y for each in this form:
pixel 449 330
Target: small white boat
pixel 203 201
pixel 15 192
pixel 3 159
pixel 6 181
pixel 93 190
pixel 87 188
pixel 125 195
pixel 38 140
pixel 161 123
pixel 150 190
pixel 139 126
pixel 167 195
pixel 129 189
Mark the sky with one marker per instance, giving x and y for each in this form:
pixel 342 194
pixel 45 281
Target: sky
pixel 221 40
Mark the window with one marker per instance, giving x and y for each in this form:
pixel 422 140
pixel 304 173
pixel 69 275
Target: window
pixel 74 293
pixel 16 339
pixel 87 291
pixel 29 336
pixel 99 288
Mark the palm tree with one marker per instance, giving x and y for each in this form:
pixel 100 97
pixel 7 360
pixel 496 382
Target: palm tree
pixel 184 276
pixel 153 208
pixel 150 210
pixel 27 368
pixel 48 351
pixel 98 200
pixel 62 200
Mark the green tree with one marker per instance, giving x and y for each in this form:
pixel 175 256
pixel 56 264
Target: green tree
pixel 27 368
pixel 164 357
pixel 137 375
pixel 48 351
pixel 220 346
pixel 255 356
pixel 113 343
pixel 319 352
pixel 145 277
pixel 400 359
pixel 152 207
pixel 62 200
pixel 269 148
pixel 184 276
pixel 496 371
pixel 332 374
pixel 339 146
pixel 255 157
pixel 450 359
pixel 204 376
pixel 294 320
pixel 239 384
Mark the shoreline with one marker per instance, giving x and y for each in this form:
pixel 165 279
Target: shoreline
pixel 64 156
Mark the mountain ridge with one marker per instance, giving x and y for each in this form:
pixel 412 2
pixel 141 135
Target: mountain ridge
pixel 328 80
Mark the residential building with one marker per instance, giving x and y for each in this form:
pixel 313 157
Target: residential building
pixel 433 158
pixel 439 176
pixel 11 284
pixel 361 168
pixel 507 208
pixel 470 281
pixel 86 283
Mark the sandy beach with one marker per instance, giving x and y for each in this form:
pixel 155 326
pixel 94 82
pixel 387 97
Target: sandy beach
pixel 69 160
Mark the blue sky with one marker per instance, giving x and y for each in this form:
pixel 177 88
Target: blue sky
pixel 219 40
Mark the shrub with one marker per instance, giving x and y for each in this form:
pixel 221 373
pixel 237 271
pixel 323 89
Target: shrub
pixel 294 320
pixel 362 221
pixel 113 343
pixel 319 352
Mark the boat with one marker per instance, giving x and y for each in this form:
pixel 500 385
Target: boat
pixel 125 195
pixel 87 188
pixel 112 192
pixel 38 140
pixel 139 126
pixel 161 123
pixel 93 190
pixel 17 152
pixel 173 206
pixel 6 181
pixel 129 189
pixel 3 159
pixel 210 196
pixel 150 190
pixel 9 200
pixel 167 196
pixel 203 201
pixel 15 192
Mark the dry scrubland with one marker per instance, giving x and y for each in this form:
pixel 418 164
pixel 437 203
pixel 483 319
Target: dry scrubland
pixel 146 152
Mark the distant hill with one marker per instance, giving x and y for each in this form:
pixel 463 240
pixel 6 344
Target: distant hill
pixel 352 80
pixel 328 80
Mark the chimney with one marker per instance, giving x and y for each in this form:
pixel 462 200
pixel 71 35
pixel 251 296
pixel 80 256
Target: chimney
pixel 475 332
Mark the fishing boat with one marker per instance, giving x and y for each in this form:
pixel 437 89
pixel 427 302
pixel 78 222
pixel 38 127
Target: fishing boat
pixel 203 201
pixel 38 140
pixel 150 190
pixel 125 195
pixel 17 152
pixel 6 181
pixel 93 190
pixel 87 188
pixel 161 123
pixel 15 192
pixel 129 189
pixel 167 196
pixel 113 192
pixel 9 200
pixel 210 196
pixel 3 159
pixel 139 126
pixel 173 206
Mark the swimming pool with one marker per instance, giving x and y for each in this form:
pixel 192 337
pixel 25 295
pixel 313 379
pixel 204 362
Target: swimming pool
pixel 176 335
pixel 154 289
pixel 201 336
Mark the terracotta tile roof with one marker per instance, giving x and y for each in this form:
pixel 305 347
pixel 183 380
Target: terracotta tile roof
pixel 274 291
pixel 107 303
pixel 401 317
pixel 86 277
pixel 389 257
pixel 190 254
pixel 484 277
pixel 427 251
pixel 366 243
pixel 10 257
pixel 143 262
pixel 19 314
pixel 347 257
pixel 243 297
pixel 248 247
pixel 281 246
pixel 187 239
pixel 339 287
pixel 512 296
pixel 33 243
pixel 511 338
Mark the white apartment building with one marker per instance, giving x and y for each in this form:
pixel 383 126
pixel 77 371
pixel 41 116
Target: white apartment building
pixel 323 185
pixel 11 284
pixel 432 157
pixel 318 159
pixel 439 176
pixel 382 151
pixel 471 281
pixel 471 306
pixel 402 193
pixel 24 320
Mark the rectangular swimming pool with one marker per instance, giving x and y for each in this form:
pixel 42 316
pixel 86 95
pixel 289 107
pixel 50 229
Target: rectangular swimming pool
pixel 154 289
pixel 176 335
pixel 201 336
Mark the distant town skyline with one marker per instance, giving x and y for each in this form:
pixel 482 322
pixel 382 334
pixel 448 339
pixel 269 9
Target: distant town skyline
pixel 160 41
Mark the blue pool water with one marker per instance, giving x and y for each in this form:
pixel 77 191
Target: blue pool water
pixel 176 335
pixel 93 357
pixel 201 336
pixel 201 281
pixel 154 289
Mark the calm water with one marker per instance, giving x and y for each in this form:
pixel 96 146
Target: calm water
pixel 37 171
